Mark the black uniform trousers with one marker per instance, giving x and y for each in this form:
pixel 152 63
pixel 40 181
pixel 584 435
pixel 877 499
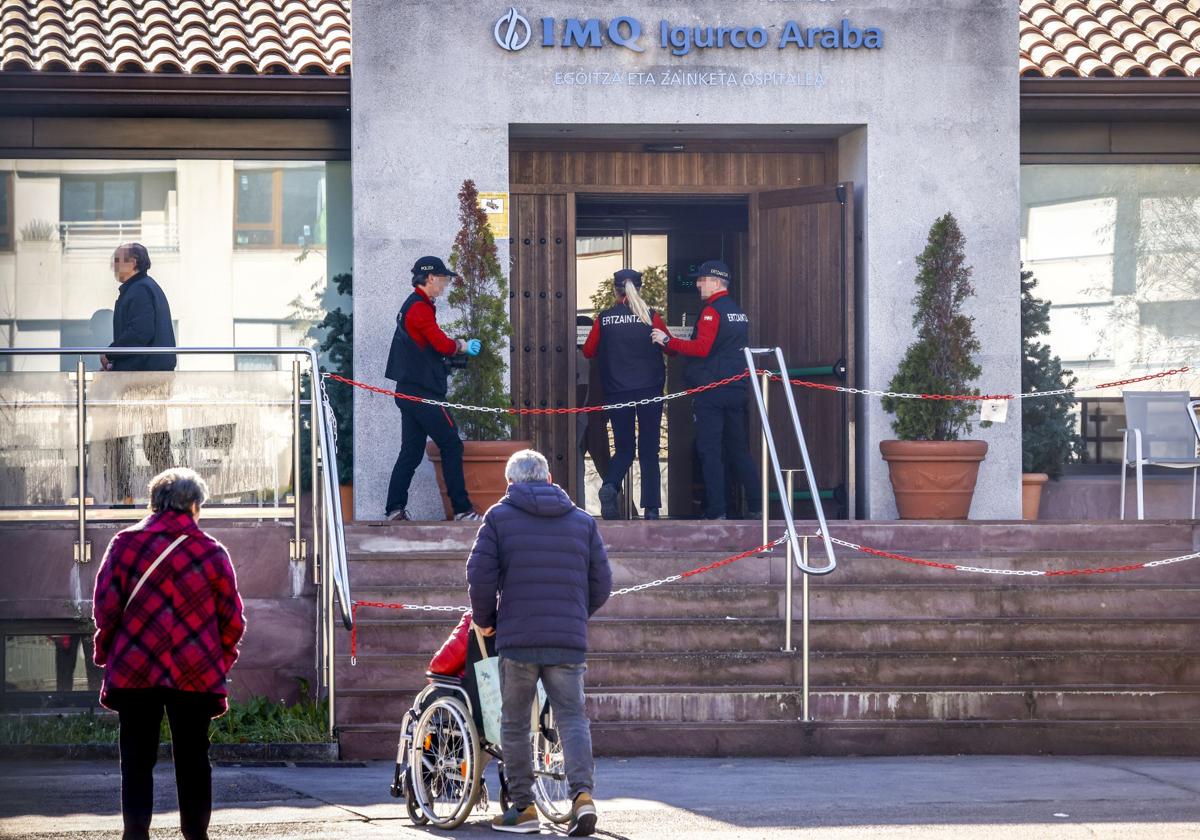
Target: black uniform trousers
pixel 418 422
pixel 646 440
pixel 189 713
pixel 721 440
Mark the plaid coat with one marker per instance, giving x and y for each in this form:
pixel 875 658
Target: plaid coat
pixel 183 628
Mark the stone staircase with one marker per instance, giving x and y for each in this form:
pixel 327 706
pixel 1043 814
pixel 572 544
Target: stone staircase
pixel 905 659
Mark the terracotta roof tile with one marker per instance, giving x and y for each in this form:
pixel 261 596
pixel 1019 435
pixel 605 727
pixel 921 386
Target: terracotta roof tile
pixel 1096 38
pixel 176 36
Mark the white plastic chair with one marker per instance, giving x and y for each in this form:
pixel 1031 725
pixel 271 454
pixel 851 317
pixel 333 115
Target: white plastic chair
pixel 1162 431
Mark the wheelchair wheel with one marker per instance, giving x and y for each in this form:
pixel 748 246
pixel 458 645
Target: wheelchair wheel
pixel 551 791
pixel 410 803
pixel 444 765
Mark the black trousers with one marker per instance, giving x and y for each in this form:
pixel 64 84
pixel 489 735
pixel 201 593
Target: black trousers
pixel 418 422
pixel 646 440
pixel 721 440
pixel 189 714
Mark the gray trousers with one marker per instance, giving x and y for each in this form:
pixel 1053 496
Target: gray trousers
pixel 564 688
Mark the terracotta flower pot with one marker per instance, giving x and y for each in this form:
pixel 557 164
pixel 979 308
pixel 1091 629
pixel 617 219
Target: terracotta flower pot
pixel 1031 493
pixel 346 491
pixel 483 467
pixel 933 479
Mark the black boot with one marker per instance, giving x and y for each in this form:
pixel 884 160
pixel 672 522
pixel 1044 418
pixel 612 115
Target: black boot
pixel 608 502
pixel 650 514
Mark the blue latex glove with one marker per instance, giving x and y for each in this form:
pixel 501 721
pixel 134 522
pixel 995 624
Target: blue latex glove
pixel 473 347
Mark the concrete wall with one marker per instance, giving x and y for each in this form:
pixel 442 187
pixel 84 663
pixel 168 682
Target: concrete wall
pixel 933 118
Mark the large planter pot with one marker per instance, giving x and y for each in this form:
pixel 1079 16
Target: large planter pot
pixel 1031 493
pixel 346 492
pixel 933 479
pixel 483 467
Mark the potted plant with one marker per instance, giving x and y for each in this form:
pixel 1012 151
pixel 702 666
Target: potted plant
pixel 933 473
pixel 1049 433
pixel 478 297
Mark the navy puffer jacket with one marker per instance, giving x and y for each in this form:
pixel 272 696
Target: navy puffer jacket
pixel 538 569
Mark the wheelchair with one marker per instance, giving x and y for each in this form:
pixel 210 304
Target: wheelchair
pixel 442 753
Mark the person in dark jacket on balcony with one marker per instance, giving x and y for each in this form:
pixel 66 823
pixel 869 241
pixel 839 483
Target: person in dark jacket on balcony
pixel 537 572
pixel 417 363
pixel 168 622
pixel 141 318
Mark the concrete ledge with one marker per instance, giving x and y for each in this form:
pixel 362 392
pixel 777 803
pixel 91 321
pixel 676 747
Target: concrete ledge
pixel 218 752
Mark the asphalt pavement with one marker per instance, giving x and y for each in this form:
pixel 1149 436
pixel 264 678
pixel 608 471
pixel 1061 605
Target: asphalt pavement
pixel 926 798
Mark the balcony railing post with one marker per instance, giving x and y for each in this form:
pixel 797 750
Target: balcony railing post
pixel 766 469
pixel 298 552
pixel 83 549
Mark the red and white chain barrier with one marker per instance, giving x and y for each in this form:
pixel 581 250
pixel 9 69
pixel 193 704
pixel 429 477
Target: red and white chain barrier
pixel 628 590
pixel 959 567
pixel 803 383
pixel 874 552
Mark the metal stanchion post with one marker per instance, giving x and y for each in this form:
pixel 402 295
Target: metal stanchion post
pixel 83 549
pixel 314 484
pixel 766 501
pixel 787 599
pixel 297 548
pixel 804 630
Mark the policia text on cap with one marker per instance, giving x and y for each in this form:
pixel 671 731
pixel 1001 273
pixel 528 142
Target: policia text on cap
pixel 419 363
pixel 714 352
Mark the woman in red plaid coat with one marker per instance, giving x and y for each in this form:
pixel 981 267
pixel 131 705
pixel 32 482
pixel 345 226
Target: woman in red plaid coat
pixel 168 621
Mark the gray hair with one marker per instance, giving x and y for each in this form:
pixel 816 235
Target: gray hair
pixel 527 465
pixel 178 489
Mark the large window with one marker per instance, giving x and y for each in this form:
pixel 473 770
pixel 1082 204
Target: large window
pixel 1116 250
pixel 67 216
pixel 112 198
pixel 280 208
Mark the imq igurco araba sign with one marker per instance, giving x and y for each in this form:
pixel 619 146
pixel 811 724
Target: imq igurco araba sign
pixel 513 32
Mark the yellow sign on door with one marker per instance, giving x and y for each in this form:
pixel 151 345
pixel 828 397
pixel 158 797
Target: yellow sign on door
pixel 495 204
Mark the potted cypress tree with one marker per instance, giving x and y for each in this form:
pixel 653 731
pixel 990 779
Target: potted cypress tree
pixel 933 473
pixel 1049 435
pixel 479 298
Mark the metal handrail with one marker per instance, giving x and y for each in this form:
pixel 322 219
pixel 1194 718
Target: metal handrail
pixel 785 499
pixel 336 549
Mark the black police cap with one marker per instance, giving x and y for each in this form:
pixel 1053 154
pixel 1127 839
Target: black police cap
pixel 431 265
pixel 627 275
pixel 714 268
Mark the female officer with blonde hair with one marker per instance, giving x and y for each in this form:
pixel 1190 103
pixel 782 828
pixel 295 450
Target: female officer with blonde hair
pixel 631 368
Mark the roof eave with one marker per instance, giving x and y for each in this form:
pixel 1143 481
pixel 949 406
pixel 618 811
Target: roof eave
pixel 1072 99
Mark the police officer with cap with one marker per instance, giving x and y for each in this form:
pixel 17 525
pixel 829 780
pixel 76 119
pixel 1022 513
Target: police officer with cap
pixel 714 353
pixel 418 362
pixel 631 368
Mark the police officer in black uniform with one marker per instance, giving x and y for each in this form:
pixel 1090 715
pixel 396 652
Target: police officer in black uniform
pixel 714 353
pixel 418 362
pixel 631 368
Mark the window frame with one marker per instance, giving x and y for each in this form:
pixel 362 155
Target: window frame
pixel 10 699
pixel 99 180
pixel 275 226
pixel 7 228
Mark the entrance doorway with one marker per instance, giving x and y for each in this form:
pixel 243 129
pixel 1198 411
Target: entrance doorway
pixel 578 215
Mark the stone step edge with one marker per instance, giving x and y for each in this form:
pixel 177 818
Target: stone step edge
pixel 772 621
pixel 835 654
pixel 1074 689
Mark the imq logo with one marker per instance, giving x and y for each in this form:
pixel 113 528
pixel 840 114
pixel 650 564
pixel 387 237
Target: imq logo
pixel 512 30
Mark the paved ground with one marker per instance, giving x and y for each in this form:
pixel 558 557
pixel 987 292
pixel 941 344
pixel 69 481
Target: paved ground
pixel 925 798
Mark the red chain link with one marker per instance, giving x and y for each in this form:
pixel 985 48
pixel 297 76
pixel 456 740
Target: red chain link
pixel 904 558
pixel 702 569
pixel 587 409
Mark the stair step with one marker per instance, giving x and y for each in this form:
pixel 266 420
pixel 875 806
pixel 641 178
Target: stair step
pixel 828 635
pixel 966 600
pixel 843 738
pixel 751 703
pixel 449 568
pixel 1164 669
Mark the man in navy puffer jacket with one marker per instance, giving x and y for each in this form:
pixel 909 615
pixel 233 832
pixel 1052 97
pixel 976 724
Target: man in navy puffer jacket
pixel 537 572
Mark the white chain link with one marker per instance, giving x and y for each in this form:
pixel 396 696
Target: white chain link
pixel 642 586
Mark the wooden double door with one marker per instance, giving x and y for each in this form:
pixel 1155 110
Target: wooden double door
pixel 796 283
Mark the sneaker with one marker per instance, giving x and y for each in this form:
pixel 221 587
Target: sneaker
pixel 608 502
pixel 471 515
pixel 398 515
pixel 583 816
pixel 517 821
pixel 650 513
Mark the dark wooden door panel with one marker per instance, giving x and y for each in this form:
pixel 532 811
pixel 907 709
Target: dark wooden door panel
pixel 543 321
pixel 801 299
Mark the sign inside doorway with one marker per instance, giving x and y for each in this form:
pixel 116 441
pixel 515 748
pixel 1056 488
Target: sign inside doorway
pixel 495 204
